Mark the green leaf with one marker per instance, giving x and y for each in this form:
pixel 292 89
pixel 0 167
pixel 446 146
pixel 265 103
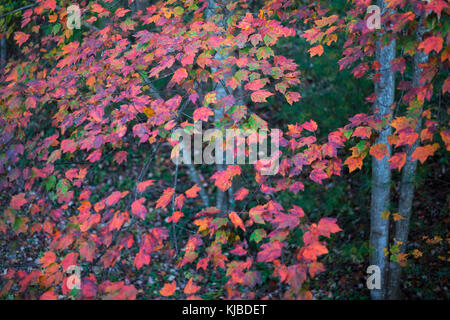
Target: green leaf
pixel 258 235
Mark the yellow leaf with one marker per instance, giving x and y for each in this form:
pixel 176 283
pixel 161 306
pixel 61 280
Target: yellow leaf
pixel 417 253
pixel 149 112
pixel 385 214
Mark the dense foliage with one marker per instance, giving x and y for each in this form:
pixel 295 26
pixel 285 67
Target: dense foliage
pixel 86 170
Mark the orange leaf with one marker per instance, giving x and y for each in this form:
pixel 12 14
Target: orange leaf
pixel 179 75
pixel 422 153
pixel 397 161
pixel 237 221
pixel 317 50
pixel 168 289
pixel 379 151
pixel 21 38
pixel 175 216
pixel 47 259
pixel 165 198
pixel 192 192
pixel 191 288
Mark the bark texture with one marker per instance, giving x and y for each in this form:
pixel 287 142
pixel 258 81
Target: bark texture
pixel 381 174
pixel 407 181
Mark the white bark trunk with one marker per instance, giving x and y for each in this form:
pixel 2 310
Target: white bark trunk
pixel 407 182
pixel 381 174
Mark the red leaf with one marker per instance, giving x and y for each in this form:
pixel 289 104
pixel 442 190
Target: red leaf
pixel 87 250
pixel 113 198
pixel 143 185
pixel 311 125
pixel 327 226
pixel 165 198
pixel 270 252
pixel 138 209
pixel 292 97
pixel 312 251
pixel 379 151
pixel 192 192
pixel 241 194
pixel 69 260
pixel 430 44
pixel 18 201
pixel 175 216
pixel 21 37
pixel 202 113
pixel 49 295
pixel 397 161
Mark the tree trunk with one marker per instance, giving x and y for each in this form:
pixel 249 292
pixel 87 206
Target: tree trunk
pixel 3 56
pixel 407 181
pixel 381 174
pixel 221 93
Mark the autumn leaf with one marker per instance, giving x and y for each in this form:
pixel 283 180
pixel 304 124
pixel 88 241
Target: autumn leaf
pixel 270 252
pixel 47 259
pixel 138 209
pixel 422 153
pixel 315 268
pixel 256 85
pixel 21 37
pixel 397 161
pixel 166 197
pixel 69 260
pixel 168 289
pixel 49 295
pixel 175 216
pixel 430 44
pixel 144 185
pixel 310 125
pixel 190 287
pixel 202 113
pixel 237 221
pixel 192 192
pixel 179 75
pixel 354 163
pixel 120 12
pixel 385 214
pixel 18 201
pixel 327 226
pixel 317 50
pixel 362 132
pixel 260 95
pixel 379 151
pixel 292 97
pixel 312 251
pixel 241 194
pixel 87 250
